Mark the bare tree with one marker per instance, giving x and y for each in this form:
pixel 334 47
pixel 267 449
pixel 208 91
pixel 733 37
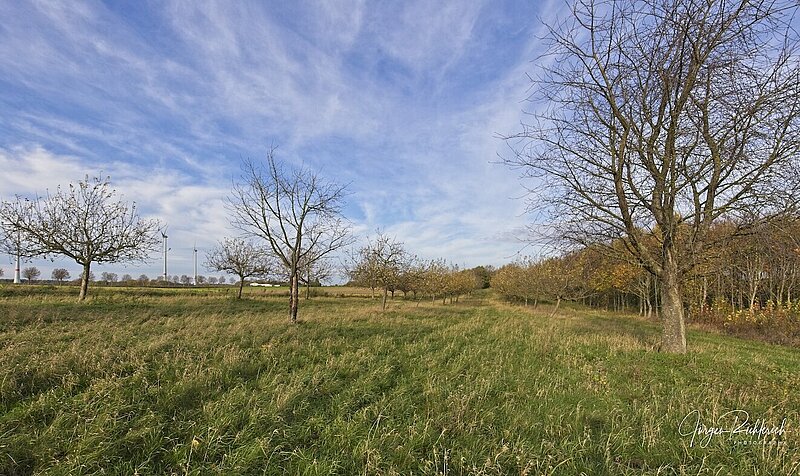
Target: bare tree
pixel 60 275
pixel 185 279
pixel 295 211
pixel 127 278
pixel 31 273
pixel 109 277
pixel 241 258
pixel 143 279
pixel 434 277
pixel 84 223
pixel 314 271
pixel 362 269
pixel 381 263
pixel 658 118
pixel 411 276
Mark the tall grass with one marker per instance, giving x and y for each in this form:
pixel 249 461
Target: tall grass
pixel 143 382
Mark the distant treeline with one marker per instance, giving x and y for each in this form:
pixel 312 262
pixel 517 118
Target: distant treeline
pixel 745 284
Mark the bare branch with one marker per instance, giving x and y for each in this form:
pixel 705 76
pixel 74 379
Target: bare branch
pixel 656 118
pixel 82 222
pixel 297 214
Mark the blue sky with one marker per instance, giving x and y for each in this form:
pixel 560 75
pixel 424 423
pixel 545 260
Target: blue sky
pixel 402 100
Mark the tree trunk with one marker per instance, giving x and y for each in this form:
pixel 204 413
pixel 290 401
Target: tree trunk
pixel 673 339
pixel 640 297
pixel 555 309
pixel 753 295
pixel 308 283
pixel 383 301
pixel 84 282
pixel 656 304
pixel 294 295
pixel 241 286
pixel 704 302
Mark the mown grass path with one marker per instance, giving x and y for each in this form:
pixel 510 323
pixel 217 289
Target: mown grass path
pixel 149 382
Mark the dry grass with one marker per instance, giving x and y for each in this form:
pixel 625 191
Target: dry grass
pixel 142 382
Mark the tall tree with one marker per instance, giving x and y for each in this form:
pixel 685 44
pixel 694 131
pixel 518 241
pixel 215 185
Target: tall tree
pixel 660 117
pixel 82 222
pixel 297 213
pixel 241 258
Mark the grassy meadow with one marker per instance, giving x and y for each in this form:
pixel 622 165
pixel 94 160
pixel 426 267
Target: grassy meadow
pixel 152 381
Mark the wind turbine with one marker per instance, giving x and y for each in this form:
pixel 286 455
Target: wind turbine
pixel 16 269
pixel 164 236
pixel 195 263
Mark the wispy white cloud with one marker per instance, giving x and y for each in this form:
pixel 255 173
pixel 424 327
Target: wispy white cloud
pixel 401 100
pixel 427 35
pixel 35 169
pixel 192 212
